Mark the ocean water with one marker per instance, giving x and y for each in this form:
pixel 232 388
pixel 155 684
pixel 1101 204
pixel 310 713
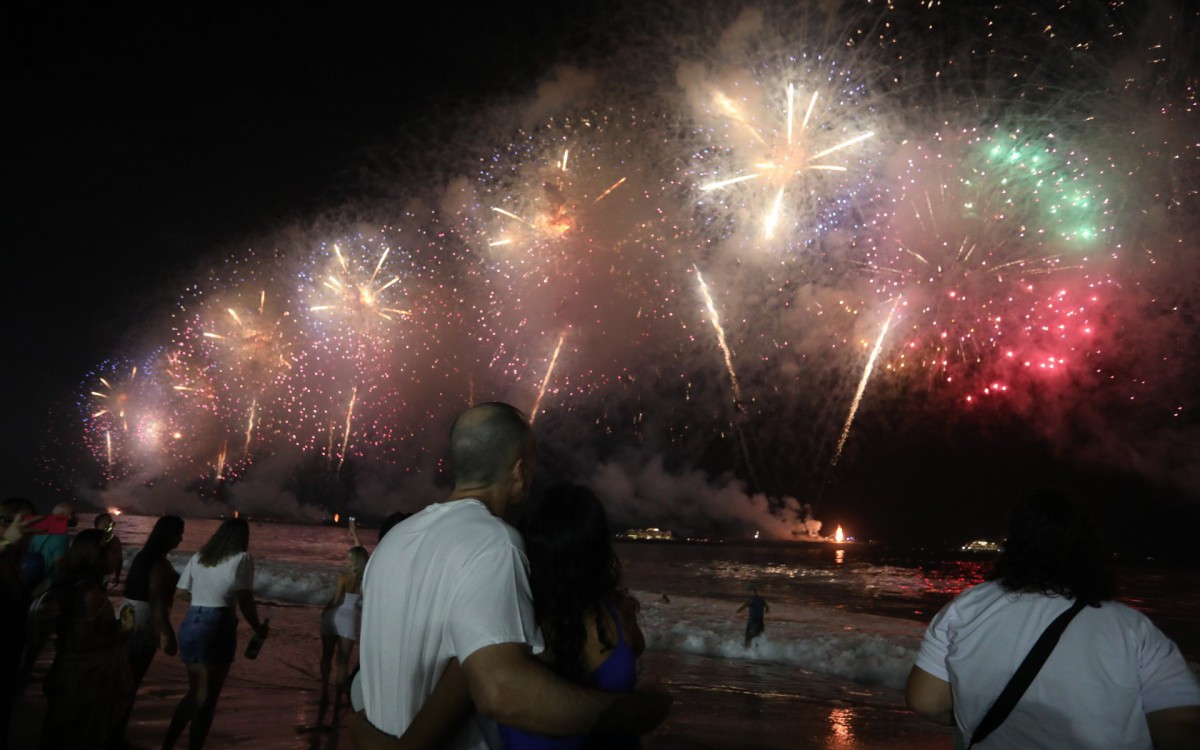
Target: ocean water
pixel 844 624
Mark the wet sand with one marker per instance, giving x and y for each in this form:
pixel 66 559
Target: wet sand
pixel 268 703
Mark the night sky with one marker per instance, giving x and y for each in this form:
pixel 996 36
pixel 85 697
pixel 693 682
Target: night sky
pixel 144 141
pixel 147 143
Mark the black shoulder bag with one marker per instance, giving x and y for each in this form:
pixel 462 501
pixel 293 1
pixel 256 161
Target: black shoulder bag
pixel 1024 675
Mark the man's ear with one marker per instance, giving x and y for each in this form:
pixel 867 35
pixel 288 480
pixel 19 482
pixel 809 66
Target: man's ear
pixel 518 473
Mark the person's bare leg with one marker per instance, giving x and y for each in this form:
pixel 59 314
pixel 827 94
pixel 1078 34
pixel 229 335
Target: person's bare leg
pixel 206 704
pixel 328 646
pixel 186 709
pixel 344 646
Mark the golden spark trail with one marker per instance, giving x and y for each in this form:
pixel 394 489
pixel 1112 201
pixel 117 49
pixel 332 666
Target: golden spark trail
pixel 791 95
pixel 773 217
pixel 221 460
pixel 250 426
pixel 511 215
pixel 734 113
pixel 346 434
pixel 730 181
pixel 380 265
pixel 108 448
pixel 716 321
pixel 733 379
pixel 842 145
pixel 807 113
pixel 862 384
pixel 546 380
pixel 604 195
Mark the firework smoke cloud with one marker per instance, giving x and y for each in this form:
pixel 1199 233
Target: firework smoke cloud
pixel 704 260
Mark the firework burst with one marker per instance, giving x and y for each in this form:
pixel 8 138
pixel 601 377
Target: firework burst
pixel 989 295
pixel 788 151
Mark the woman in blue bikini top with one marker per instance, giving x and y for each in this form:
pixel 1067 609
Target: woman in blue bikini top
pixel 588 621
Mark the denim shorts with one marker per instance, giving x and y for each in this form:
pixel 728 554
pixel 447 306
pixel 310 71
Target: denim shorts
pixel 208 635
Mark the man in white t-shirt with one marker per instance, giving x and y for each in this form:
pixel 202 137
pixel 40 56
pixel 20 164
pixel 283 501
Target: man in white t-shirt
pixel 1112 682
pixel 448 588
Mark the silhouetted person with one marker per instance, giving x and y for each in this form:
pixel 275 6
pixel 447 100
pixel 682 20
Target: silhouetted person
pixel 150 592
pixel 756 607
pixel 15 514
pixel 89 687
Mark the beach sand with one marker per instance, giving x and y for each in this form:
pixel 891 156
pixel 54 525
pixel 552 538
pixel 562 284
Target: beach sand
pixel 269 703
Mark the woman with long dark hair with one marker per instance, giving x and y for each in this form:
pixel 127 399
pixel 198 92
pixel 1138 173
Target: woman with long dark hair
pixel 150 593
pixel 217 577
pixel 89 686
pixel 588 621
pixel 150 590
pixel 1112 680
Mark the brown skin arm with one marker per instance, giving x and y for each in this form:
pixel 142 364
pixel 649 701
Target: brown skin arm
pixel 364 735
pixel 245 600
pixel 1175 728
pixel 511 687
pixel 441 715
pixel 930 697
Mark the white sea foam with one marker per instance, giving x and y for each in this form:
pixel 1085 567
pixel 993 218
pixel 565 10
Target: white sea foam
pixel 864 648
pixel 284 581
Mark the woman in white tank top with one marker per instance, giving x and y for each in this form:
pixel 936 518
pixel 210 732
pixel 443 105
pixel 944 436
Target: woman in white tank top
pixel 339 627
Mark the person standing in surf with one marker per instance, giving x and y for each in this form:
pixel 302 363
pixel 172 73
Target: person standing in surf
pixel 757 607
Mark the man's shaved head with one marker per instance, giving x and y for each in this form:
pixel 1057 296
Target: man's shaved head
pixel 486 442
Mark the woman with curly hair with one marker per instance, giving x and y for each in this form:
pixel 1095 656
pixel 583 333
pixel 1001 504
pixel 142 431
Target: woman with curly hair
pixel 1112 681
pixel 217 577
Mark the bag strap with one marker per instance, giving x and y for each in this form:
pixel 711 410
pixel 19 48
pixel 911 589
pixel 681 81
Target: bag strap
pixel 1024 675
